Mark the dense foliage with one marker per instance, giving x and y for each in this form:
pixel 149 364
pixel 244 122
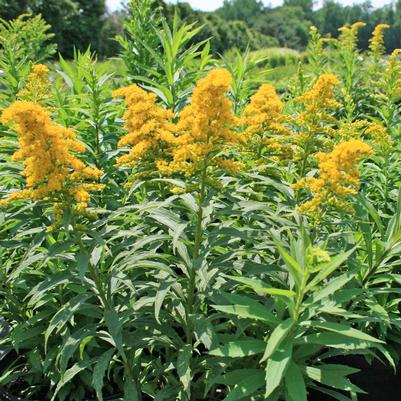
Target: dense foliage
pixel 174 229
pixel 238 23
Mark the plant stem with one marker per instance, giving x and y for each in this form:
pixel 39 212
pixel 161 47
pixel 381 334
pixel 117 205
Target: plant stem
pixel 106 304
pixel 196 251
pixel 92 270
pixel 300 296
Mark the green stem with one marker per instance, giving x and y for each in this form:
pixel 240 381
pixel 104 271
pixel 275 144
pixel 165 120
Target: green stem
pixel 196 251
pixel 386 178
pixel 106 304
pixel 300 296
pixel 92 269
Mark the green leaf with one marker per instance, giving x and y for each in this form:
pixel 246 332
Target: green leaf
pixel 161 294
pixel 204 331
pixel 330 267
pixel 70 345
pixel 130 390
pixel 70 374
pixel 99 372
pixel 333 340
pixel 83 344
pixel 240 348
pixel 114 327
pixel 246 307
pixel 261 286
pixel 235 376
pixel 372 212
pixel 295 383
pixel 332 377
pixel 184 366
pixel 333 286
pixel 61 318
pixel 277 337
pixel 43 288
pixel 246 387
pixel 345 331
pixel 277 366
pixel 82 264
pixel 293 266
pixel 332 393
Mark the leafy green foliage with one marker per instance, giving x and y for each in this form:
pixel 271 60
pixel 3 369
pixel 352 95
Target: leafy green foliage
pixel 193 287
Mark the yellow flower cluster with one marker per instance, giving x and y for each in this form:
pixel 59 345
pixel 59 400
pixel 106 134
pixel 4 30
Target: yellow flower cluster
pixel 37 88
pixel 375 134
pixel 315 123
pixel 148 125
pixel 264 118
pixel 205 128
pixel 338 178
pixel 321 96
pixel 348 39
pixel 376 42
pixel 51 171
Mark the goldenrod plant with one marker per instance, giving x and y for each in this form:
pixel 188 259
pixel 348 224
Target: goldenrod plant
pixel 178 227
pixel 23 41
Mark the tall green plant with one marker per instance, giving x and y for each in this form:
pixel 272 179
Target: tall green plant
pixel 247 74
pixel 23 41
pixel 179 62
pixel 305 322
pixel 140 36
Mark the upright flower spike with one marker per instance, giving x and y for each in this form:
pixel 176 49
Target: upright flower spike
pixel 37 88
pixel 264 119
pixel 315 122
pixel 205 128
pixel 376 42
pixel 321 96
pixel 315 51
pixel 348 39
pixel 52 172
pixel 149 127
pixel 389 86
pixel 338 178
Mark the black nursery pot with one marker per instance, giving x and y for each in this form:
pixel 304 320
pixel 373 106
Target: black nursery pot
pixel 379 381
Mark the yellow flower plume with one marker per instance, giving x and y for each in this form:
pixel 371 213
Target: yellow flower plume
pixel 37 89
pixel 315 123
pixel 205 127
pixel 338 178
pixel 376 42
pixel 51 171
pixel 148 126
pixel 264 119
pixel 348 39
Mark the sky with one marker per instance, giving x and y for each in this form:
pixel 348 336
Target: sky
pixel 209 5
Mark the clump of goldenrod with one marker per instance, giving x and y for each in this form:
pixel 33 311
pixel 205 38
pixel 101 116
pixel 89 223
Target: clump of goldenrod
pixel 149 127
pixel 52 172
pixel 338 178
pixel 264 121
pixel 205 129
pixel 376 42
pixel 314 124
pixel 37 89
